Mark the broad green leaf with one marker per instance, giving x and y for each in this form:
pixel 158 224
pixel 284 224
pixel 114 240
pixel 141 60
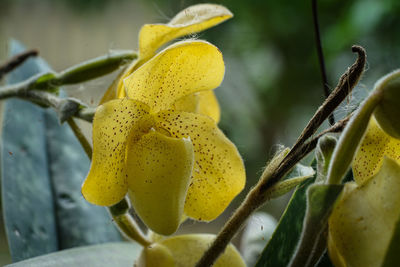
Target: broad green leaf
pixel 42 152
pixel 28 203
pixel 79 223
pixel 320 201
pixel 104 255
pixel 364 220
pixel 282 245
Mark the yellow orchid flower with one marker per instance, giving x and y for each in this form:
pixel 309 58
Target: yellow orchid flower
pixel 375 145
pixel 363 221
pixel 173 251
pixel 172 162
pixel 364 218
pixel 191 20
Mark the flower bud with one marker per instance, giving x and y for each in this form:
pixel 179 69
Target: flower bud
pixel 387 113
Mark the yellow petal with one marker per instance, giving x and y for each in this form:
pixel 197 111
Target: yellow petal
pixel 155 255
pixel 369 157
pixel 208 105
pixel 159 171
pixel 362 222
pixel 179 70
pixel 190 20
pixel 106 182
pixel 218 172
pixel 187 250
pixel 204 102
pixel 111 92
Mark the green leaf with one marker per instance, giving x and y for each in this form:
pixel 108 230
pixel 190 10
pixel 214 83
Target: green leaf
pixel 312 244
pixel 43 167
pixel 79 222
pixel 110 254
pixel 28 204
pixel 282 245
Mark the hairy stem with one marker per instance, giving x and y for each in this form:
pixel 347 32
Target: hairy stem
pixel 346 84
pixel 347 145
pixel 259 194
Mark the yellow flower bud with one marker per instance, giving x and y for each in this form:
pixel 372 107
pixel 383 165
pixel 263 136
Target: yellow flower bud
pixel 387 113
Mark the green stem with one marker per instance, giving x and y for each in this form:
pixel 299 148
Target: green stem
pixel 82 139
pixel 348 143
pixel 126 224
pixel 95 68
pixel 274 172
pixel 85 71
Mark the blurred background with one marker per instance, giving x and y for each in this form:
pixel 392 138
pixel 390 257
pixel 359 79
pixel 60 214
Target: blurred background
pixel 272 84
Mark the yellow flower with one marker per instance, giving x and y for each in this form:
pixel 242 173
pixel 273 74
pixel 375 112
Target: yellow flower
pixel 375 145
pixel 363 221
pixel 173 162
pixel 191 20
pixel 173 251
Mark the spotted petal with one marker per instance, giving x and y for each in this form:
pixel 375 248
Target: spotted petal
pixel 375 145
pixel 218 172
pixel 181 69
pixel 159 170
pixel 197 244
pixel 190 20
pixel 106 182
pixel 363 221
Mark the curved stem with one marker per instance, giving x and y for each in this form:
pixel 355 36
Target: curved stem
pixel 274 172
pixel 82 139
pixel 348 143
pixel 346 84
pixel 15 61
pixel 126 224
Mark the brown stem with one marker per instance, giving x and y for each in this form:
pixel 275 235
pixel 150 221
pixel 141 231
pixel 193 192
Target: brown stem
pixel 321 55
pixel 259 194
pixel 16 61
pixel 346 84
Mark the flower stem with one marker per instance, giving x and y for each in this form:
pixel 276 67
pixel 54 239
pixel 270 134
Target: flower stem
pixel 259 195
pixel 82 139
pixel 15 61
pixel 347 145
pixel 126 224
pixel 85 71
